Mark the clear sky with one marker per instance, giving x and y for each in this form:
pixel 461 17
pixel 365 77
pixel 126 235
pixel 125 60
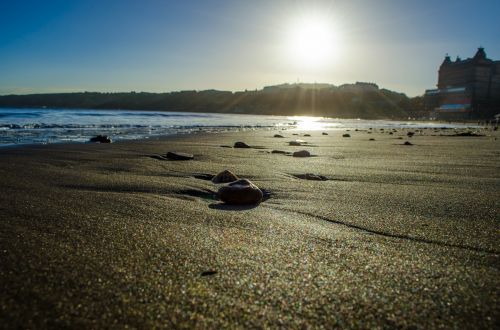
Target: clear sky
pixel 159 46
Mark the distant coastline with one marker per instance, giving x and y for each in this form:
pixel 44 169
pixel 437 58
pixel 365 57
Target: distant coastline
pixel 359 100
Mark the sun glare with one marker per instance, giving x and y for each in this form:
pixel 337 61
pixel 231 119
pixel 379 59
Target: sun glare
pixel 312 42
pixel 307 123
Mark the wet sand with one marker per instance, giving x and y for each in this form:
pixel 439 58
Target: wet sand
pixel 104 235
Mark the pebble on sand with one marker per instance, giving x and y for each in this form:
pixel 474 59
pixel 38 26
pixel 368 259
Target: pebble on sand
pixel 179 156
pixel 307 135
pixel 296 142
pixel 346 135
pixel 241 192
pixel 301 153
pixel 278 136
pixel 324 133
pixel 101 139
pixel 208 272
pixel 408 143
pixel 311 176
pixel 240 144
pixel 225 177
pixel 469 133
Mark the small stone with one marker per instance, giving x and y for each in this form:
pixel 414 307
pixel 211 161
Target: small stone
pixel 241 192
pixel 101 139
pixel 410 134
pixel 296 142
pixel 308 135
pixel 278 136
pixel 241 145
pixel 225 177
pixel 278 152
pixel 371 140
pixel 346 135
pixel 469 133
pixel 408 143
pixel 302 153
pixel 311 176
pixel 208 273
pixel 295 134
pixel 179 156
pixel 324 133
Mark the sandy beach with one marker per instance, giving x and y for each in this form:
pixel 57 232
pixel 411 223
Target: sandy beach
pixel 105 235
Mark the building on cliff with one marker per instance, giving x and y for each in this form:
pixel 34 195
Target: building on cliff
pixel 466 89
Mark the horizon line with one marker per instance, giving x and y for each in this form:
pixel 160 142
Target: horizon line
pixel 75 91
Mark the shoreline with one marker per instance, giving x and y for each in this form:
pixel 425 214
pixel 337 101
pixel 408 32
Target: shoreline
pixel 396 236
pixel 323 123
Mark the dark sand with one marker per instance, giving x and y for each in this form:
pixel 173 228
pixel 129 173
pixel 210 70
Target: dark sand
pixel 100 235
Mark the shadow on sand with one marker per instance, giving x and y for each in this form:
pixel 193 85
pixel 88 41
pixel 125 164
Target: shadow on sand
pixel 228 207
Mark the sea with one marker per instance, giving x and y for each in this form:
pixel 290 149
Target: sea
pixel 21 126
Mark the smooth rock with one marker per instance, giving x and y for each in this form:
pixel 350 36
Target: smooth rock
pixel 324 133
pixel 301 153
pixel 311 176
pixel 225 177
pixel 307 135
pixel 241 145
pixel 346 135
pixel 408 143
pixel 278 152
pixel 241 192
pixel 278 136
pixel 296 142
pixel 179 156
pixel 101 139
pixel 469 133
pixel 208 273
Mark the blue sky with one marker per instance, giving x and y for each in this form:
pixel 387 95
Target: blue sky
pixel 158 46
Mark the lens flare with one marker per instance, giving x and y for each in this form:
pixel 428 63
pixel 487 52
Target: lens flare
pixel 313 42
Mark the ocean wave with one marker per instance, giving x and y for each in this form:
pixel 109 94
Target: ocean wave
pixel 19 115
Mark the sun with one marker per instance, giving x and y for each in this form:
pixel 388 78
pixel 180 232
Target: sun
pixel 312 42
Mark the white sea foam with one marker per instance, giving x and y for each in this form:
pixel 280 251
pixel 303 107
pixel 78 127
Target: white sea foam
pixel 27 126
